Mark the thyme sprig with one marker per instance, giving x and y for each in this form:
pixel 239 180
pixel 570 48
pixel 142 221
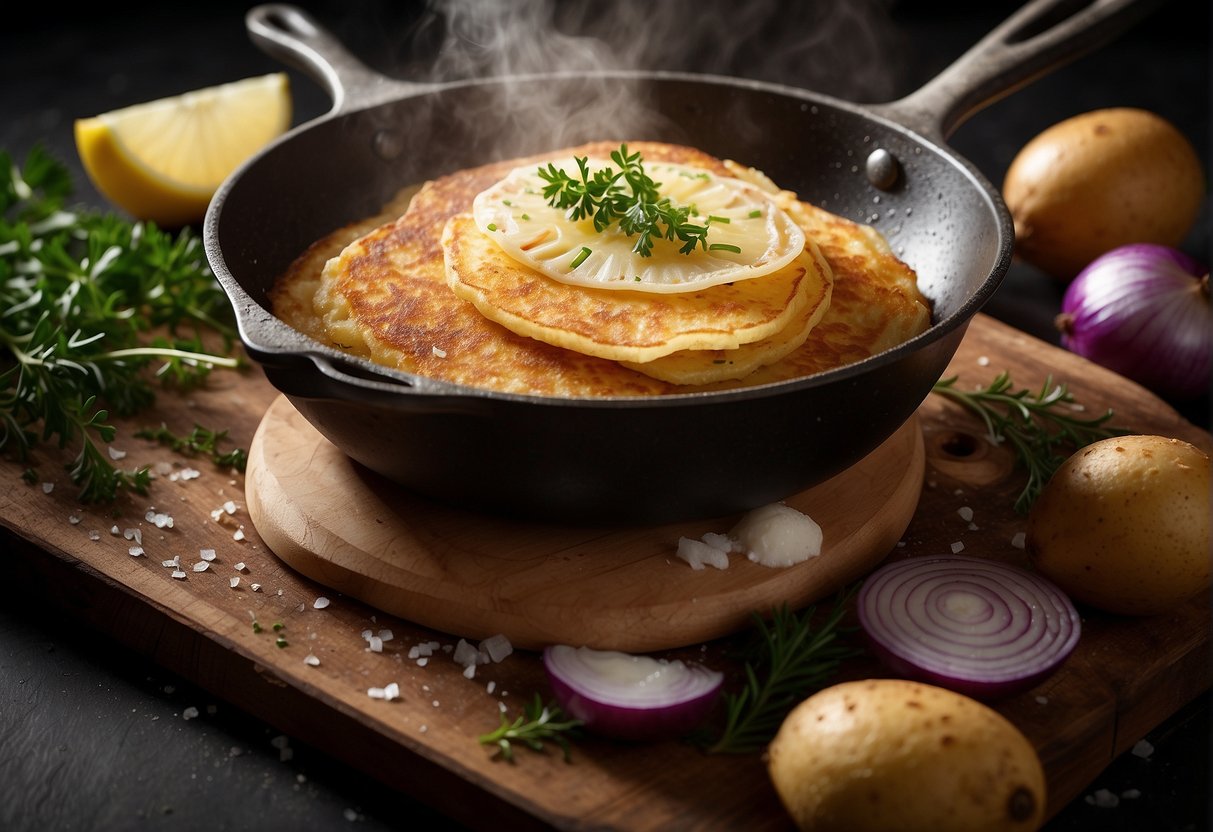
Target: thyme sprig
pixel 627 196
pixel 538 723
pixel 1040 426
pixel 81 293
pixel 198 442
pixel 791 660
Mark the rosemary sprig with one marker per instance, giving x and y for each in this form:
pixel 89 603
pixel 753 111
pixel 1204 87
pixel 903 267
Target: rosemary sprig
pixel 80 293
pixel 538 723
pixel 792 659
pixel 1042 435
pixel 638 208
pixel 198 442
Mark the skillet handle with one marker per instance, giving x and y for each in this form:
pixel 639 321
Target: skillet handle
pixel 294 37
pixel 1037 39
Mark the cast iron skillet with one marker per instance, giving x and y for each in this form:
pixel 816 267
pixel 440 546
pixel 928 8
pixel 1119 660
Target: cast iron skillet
pixel 629 460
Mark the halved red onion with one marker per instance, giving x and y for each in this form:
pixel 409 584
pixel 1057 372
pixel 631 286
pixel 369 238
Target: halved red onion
pixel 630 697
pixel 979 627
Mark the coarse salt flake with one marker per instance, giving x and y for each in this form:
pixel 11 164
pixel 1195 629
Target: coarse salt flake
pixel 114 453
pixel 1103 799
pixel 310 659
pixel 179 575
pixel 1019 540
pixel 386 635
pixel 469 671
pixel 1143 749
pixel 375 644
pixel 392 691
pixel 320 603
pixel 423 661
pixel 206 554
pixel 239 534
pixel 94 535
pixel 229 507
pixel 439 353
pixel 133 534
pixel 490 687
pixel 48 487
pixel 233 582
pixel 171 564
pixel 240 567
pixel 966 513
pixel 699 554
pixel 255 587
pixel 498 647
pixel 958 547
pixel 201 566
pixel 375 693
pixel 74 519
pixel 189 713
pixel 983 360
pixel 135 551
pixel 1042 700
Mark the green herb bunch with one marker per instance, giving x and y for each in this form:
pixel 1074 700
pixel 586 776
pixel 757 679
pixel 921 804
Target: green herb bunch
pixel 792 657
pixel 537 724
pixel 627 196
pixel 94 309
pixel 1041 427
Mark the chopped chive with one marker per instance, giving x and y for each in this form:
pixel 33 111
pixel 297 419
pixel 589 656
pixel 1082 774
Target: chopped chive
pixel 755 214
pixel 492 226
pixel 580 258
pixel 526 216
pixel 636 278
pixel 506 202
pixel 714 218
pixel 256 627
pixel 724 247
pixel 278 625
pixel 280 641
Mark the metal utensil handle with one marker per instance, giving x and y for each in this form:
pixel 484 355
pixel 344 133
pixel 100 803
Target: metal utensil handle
pixel 1042 36
pixel 294 37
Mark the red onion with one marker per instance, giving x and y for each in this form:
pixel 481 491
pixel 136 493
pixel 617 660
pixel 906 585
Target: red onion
pixel 630 697
pixel 1143 311
pixel 978 627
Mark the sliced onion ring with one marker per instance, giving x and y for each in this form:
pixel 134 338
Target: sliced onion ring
pixel 979 627
pixel 630 697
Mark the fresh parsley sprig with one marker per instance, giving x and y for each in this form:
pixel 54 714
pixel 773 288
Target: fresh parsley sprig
pixel 1039 430
pixel 791 660
pixel 627 196
pixel 81 294
pixel 538 723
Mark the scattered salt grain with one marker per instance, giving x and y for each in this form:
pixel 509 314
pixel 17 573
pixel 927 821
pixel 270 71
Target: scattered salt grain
pixel 94 535
pixel 229 507
pixel 966 513
pixel 310 659
pixel 179 575
pixel 958 547
pixel 1019 540
pixel 435 703
pixel 135 551
pixel 501 707
pixel 114 530
pixel 1103 799
pixel 424 728
pixel 206 554
pixel 1143 749
pixel 1042 700
pixel 465 653
pixel 255 587
pixel 239 534
pixel 189 713
pixel 490 687
pixel 320 603
pixel 423 661
pixel 699 554
pixel 233 582
pixel 201 566
pixel 74 519
pixel 185 474
pixel 469 672
pixel 438 352
pixel 392 691
pixel 302 606
pixel 48 487
pixel 350 815
pixel 375 644
pixel 133 534
pixel 498 647
pixel 983 360
pixel 240 567
pixel 386 635
pixel 160 519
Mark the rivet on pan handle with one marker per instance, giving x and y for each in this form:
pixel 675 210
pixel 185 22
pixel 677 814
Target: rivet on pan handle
pixel 294 37
pixel 1042 36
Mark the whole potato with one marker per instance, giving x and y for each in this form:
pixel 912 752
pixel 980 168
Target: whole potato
pixel 1098 181
pixel 1123 525
pixel 891 754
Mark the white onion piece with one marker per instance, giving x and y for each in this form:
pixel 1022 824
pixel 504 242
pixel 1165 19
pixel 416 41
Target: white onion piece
pixel 630 697
pixel 1142 310
pixel 979 627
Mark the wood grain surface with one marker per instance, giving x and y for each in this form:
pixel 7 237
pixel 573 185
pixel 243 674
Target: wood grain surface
pixel 1126 675
pixel 612 589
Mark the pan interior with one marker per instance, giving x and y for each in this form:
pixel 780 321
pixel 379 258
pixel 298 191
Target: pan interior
pixel 939 217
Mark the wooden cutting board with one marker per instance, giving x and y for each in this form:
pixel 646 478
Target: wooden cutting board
pixel 477 576
pixel 1125 677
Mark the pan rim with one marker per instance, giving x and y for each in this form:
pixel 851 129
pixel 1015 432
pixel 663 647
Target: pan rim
pixel 411 385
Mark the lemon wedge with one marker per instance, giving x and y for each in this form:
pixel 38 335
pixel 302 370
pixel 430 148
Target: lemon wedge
pixel 163 160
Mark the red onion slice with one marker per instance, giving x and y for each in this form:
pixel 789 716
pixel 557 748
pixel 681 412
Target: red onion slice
pixel 630 697
pixel 979 627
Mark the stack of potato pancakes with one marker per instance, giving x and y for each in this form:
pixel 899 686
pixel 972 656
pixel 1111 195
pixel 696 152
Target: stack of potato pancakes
pixel 479 279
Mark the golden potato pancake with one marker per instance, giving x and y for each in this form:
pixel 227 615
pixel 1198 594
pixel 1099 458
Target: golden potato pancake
pixel 395 308
pixel 622 325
